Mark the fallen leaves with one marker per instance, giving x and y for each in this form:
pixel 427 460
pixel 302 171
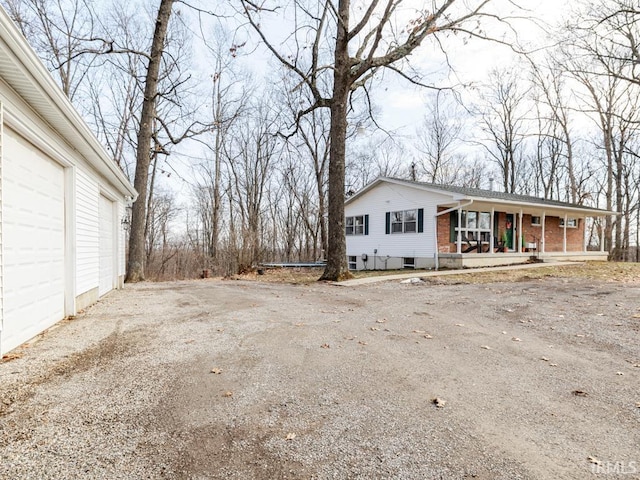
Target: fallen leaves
pixel 362 343
pixel 593 460
pixel 486 347
pixel 637 404
pixel 553 364
pixel 217 371
pixel 227 394
pixel 545 359
pixel 374 329
pixel 439 402
pixel 580 393
pixel 619 373
pixel 516 339
pixel 325 345
pixel 11 356
pixel 384 320
pixel 427 336
pixel 290 436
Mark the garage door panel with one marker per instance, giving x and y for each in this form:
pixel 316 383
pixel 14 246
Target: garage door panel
pixel 33 241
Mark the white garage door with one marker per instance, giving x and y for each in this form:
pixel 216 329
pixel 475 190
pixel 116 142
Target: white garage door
pixel 33 238
pixel 106 246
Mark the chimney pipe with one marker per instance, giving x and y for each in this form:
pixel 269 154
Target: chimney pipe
pixel 491 183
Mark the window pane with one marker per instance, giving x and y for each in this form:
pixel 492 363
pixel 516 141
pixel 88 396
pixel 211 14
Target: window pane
pixel 396 217
pixel 359 230
pixel 348 226
pixel 410 227
pixel 410 216
pixel 396 228
pixel 485 221
pixel 472 220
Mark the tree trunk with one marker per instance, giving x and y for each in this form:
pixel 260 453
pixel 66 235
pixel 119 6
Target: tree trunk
pixel 337 268
pixel 136 264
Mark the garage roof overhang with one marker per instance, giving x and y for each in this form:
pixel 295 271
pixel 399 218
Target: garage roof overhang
pixel 23 71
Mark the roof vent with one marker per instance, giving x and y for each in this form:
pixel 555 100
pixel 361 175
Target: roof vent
pixel 491 183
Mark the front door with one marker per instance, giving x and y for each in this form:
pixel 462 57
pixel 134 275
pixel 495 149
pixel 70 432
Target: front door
pixel 510 232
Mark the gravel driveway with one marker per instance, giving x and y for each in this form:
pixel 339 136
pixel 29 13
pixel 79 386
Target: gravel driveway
pixel 239 380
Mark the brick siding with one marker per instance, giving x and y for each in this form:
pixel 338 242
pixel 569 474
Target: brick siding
pixel 554 233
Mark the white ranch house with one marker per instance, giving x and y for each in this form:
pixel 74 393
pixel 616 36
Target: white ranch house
pixel 394 224
pixel 61 205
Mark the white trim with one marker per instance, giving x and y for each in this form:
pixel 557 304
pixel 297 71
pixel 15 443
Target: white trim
pixel 70 241
pixel 564 236
pixel 543 241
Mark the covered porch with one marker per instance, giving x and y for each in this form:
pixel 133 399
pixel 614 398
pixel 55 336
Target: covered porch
pixel 485 233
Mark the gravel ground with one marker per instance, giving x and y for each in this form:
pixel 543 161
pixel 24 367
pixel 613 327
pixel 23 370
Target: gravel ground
pixel 537 379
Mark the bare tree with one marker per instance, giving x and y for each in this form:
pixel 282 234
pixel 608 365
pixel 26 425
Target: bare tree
pixel 437 140
pixel 503 121
pixel 62 32
pixel 336 49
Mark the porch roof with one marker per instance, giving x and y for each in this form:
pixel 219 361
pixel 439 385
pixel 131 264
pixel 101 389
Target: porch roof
pixel 488 197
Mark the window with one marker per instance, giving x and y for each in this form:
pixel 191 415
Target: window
pixel 409 263
pixel 404 222
pixel 353 262
pixel 571 222
pixel 535 221
pixel 358 225
pixel 473 226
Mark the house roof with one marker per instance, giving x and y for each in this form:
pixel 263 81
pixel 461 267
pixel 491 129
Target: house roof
pixel 490 196
pixel 23 71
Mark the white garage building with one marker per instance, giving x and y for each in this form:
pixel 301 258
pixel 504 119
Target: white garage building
pixel 62 200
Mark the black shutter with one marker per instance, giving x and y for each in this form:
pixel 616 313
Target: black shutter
pixel 387 228
pixel 420 220
pixel 453 223
pixel 366 224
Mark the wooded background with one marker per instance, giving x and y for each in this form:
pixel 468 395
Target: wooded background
pixel 238 158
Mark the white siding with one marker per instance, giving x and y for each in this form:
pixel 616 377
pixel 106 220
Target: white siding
pixel 87 233
pixel 387 197
pixel 107 246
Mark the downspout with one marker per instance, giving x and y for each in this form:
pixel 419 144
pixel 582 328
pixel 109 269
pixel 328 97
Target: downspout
pixel 435 225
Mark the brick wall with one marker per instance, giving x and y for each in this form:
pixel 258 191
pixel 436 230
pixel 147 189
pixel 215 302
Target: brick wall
pixel 532 233
pixel 554 235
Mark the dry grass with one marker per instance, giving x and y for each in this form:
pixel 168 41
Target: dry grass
pixel 604 271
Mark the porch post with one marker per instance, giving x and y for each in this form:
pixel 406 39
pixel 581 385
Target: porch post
pixel 542 240
pixel 520 236
pixel 602 223
pixel 491 245
pixel 564 237
pixel 584 235
pixel 459 233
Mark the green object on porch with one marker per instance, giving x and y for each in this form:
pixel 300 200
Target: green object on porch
pixel 507 238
